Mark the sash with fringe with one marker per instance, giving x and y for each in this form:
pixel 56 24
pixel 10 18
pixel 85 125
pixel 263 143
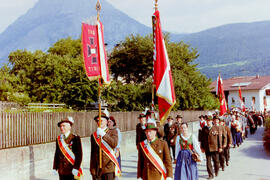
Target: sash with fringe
pixel 105 147
pixel 154 158
pixel 69 155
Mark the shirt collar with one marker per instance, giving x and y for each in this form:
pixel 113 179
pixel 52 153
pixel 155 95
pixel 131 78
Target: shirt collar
pixel 67 134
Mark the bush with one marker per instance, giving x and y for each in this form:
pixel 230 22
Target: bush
pixel 266 136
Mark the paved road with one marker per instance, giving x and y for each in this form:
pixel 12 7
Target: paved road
pixel 248 162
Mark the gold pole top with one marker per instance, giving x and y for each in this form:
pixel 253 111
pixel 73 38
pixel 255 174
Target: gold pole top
pixel 98 8
pixel 156 5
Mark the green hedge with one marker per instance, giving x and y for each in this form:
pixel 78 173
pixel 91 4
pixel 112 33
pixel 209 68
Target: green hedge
pixel 266 136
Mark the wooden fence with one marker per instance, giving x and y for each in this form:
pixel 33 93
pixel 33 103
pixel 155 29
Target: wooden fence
pixel 27 128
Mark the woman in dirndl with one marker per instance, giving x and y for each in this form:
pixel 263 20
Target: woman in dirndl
pixel 186 143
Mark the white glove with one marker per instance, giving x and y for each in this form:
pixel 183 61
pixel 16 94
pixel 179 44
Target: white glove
pixel 169 178
pixel 55 172
pixel 100 132
pixel 139 179
pixel 75 172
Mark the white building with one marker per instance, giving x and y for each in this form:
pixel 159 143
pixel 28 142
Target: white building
pixel 255 92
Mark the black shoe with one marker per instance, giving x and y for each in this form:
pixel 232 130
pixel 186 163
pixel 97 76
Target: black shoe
pixel 222 168
pixel 216 174
pixel 227 163
pixel 210 177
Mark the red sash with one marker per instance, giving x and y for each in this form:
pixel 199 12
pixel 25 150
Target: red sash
pixel 69 155
pixel 154 158
pixel 105 147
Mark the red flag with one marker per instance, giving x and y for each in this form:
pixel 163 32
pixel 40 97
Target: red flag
pixel 221 96
pixel 162 72
pixel 243 108
pixel 94 54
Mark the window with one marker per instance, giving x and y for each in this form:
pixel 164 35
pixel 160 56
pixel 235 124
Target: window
pixel 243 99
pixel 267 92
pixel 253 100
pixel 233 101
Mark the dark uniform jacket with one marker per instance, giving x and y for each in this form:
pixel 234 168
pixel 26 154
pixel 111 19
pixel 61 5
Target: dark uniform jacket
pixel 229 135
pixel 211 139
pixel 140 134
pixel 177 126
pixel 111 137
pixel 223 133
pixel 61 164
pixel 146 170
pixel 170 133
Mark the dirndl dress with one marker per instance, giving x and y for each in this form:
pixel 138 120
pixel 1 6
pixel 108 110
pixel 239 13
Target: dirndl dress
pixel 186 167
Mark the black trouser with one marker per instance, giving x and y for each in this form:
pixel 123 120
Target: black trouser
pixel 66 177
pixel 107 176
pixel 209 157
pixel 172 148
pixel 221 159
pixel 227 154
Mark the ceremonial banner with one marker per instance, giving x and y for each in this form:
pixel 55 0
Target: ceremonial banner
pixel 94 53
pixel 162 72
pixel 243 108
pixel 221 96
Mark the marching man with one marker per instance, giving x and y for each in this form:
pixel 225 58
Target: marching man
pixel 109 139
pixel 154 156
pixel 68 153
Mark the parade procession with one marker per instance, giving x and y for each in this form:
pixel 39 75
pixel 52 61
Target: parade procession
pixel 166 149
pixel 116 105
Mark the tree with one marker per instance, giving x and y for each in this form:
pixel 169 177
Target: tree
pixel 132 61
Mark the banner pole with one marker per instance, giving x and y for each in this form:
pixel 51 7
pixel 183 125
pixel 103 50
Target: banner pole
pixel 98 8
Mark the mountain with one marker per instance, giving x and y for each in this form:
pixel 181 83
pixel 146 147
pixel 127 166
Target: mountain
pixel 241 49
pixel 49 21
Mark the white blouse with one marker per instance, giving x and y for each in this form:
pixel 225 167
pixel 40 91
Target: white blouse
pixel 195 143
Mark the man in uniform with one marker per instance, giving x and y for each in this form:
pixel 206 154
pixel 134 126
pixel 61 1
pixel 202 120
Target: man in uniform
pixel 178 123
pixel 202 124
pixel 154 157
pixel 210 144
pixel 223 133
pixel 229 142
pixel 109 139
pixel 68 153
pixel 170 131
pixel 140 135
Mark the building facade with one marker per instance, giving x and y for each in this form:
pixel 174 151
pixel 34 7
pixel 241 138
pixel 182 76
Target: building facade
pixel 255 92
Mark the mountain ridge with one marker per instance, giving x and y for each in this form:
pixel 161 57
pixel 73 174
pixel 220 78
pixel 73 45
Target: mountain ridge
pixel 238 49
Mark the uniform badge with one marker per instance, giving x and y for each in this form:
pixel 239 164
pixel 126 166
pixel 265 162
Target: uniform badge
pixel 160 151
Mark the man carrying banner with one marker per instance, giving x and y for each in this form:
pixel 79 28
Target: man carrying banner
pixel 154 156
pixel 109 167
pixel 68 153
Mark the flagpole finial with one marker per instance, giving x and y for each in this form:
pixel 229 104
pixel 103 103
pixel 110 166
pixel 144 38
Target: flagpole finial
pixel 98 8
pixel 156 5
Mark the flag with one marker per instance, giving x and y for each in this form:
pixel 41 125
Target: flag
pixel 243 108
pixel 94 52
pixel 162 76
pixel 221 96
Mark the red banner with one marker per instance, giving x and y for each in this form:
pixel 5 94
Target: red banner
pixel 94 54
pixel 221 96
pixel 162 72
pixel 243 108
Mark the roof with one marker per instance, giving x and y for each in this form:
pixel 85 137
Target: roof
pixel 245 82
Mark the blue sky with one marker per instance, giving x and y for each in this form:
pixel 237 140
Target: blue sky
pixel 182 16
